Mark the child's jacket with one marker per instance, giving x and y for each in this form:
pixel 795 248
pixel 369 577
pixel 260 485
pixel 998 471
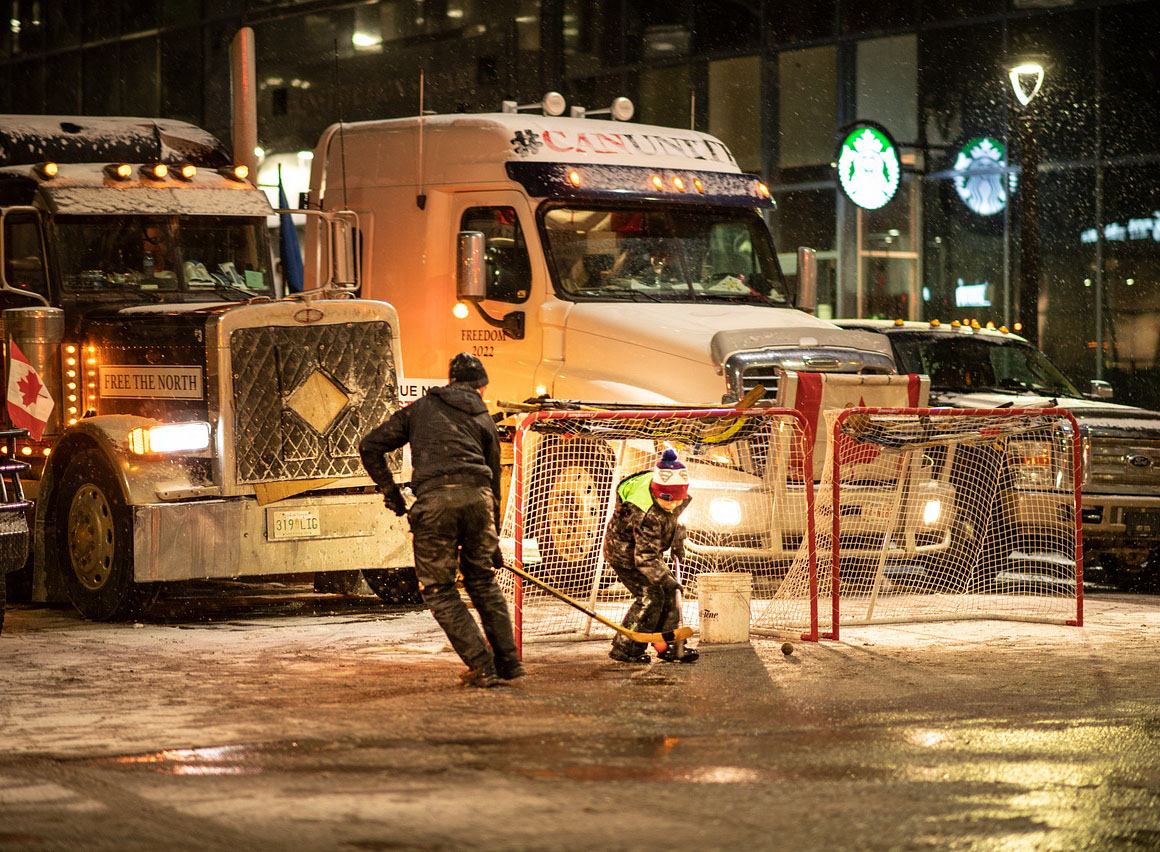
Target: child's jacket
pixel 640 531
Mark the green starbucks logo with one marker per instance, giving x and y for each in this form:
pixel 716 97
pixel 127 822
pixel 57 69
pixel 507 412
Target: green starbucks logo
pixel 980 182
pixel 869 167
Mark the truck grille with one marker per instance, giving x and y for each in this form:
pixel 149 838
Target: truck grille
pixel 760 374
pixel 305 396
pixel 1124 463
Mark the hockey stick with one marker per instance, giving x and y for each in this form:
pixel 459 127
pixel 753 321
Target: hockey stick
pixel 635 636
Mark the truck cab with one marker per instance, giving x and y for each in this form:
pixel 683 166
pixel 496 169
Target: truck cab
pixel 622 262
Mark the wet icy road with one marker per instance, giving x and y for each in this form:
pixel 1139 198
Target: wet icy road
pixel 288 720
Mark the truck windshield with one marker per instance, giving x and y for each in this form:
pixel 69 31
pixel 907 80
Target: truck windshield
pixel 963 362
pixel 684 254
pixel 188 258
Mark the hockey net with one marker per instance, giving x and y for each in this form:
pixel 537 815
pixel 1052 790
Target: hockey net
pixel 751 507
pixel 940 514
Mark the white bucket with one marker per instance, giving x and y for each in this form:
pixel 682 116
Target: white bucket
pixel 724 604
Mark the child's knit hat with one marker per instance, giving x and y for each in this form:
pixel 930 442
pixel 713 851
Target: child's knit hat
pixel 670 479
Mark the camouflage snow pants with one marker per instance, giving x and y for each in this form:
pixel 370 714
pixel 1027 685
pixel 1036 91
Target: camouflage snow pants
pixel 454 528
pixel 653 610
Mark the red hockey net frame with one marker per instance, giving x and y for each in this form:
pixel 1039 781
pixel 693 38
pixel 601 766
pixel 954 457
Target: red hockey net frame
pixel 990 428
pixel 792 454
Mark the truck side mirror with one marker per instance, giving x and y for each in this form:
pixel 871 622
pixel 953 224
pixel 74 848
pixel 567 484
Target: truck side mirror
pixel 470 267
pixel 807 275
pixel 1101 390
pixel 342 252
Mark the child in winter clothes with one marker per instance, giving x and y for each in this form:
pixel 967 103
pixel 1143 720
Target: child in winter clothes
pixel 643 526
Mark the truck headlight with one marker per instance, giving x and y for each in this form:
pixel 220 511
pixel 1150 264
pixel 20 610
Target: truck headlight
pixel 931 512
pixel 169 438
pixel 725 511
pixel 1031 463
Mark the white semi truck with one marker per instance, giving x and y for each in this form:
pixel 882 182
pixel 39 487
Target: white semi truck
pixel 589 260
pixel 193 424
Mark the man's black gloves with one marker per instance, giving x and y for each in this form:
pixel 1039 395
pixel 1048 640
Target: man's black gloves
pixel 393 500
pixel 669 583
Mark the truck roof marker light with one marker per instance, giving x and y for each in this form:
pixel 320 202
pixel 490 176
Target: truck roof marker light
pixel 899 322
pixel 700 187
pixel 990 326
pixel 157 171
pixel 1004 329
pixel 186 172
pixel 956 324
pixel 459 311
pixel 935 323
pixel 119 171
pixel 679 183
pixel 762 190
pixel 47 451
pixel 1018 327
pixel 657 183
pixel 26 450
pixel 975 324
pixel 240 172
pixel 47 171
pixel 574 177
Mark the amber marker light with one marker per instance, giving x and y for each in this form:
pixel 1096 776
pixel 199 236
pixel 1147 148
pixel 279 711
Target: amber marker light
pixel 186 172
pixel 1018 327
pixel 899 322
pixel 762 190
pixel 1004 329
pixel 157 171
pixel 574 177
pixel 658 183
pixel 459 311
pixel 119 171
pixel 47 171
pixel 935 323
pixel 700 187
pixel 679 183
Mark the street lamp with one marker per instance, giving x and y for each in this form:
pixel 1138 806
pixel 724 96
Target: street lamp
pixel 1026 79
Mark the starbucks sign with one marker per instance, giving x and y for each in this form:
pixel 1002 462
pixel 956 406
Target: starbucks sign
pixel 869 167
pixel 981 181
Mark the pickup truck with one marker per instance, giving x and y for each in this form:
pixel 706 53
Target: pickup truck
pixel 976 367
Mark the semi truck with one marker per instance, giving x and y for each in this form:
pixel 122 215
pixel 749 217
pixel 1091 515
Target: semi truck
pixel 581 259
pixel 185 421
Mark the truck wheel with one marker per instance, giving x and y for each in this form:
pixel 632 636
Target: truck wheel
pixel 394 585
pixel 95 542
pixel 567 511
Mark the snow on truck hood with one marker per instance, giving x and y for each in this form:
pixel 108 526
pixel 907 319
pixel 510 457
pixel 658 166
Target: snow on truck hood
pixel 688 330
pixel 1091 412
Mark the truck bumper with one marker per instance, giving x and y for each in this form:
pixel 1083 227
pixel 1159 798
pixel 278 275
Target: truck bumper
pixel 236 537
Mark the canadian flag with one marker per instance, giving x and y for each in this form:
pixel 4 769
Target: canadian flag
pixel 29 402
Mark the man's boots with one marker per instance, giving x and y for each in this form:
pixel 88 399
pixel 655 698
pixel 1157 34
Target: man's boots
pixel 483 676
pixel 676 652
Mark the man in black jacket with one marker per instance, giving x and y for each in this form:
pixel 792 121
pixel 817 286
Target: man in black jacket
pixel 455 475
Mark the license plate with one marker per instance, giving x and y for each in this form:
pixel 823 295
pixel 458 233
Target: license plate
pixel 285 524
pixel 1142 523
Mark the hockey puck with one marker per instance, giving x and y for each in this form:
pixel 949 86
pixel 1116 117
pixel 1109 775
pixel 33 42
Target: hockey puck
pixel 787 648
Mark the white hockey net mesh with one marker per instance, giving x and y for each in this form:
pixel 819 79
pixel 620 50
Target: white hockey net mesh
pixel 748 513
pixel 943 515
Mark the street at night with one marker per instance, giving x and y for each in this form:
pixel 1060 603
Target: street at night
pixel 282 719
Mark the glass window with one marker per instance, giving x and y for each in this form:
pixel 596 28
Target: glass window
pixel 593 36
pixel 63 19
pixel 194 258
pixel 964 91
pixel 1063 112
pixel 181 75
pixel 140 93
pixel 802 21
pixel 1132 280
pixel 657 30
pixel 509 270
pixel 662 254
pixel 808 218
pixel 27 87
pixel 953 10
pixel 726 25
pixel 807 106
pixel 100 74
pixel 734 90
pixel 887 84
pixel 664 96
pixel 64 84
pixel 1130 56
pixel 138 16
pixel 859 16
pixel 24 254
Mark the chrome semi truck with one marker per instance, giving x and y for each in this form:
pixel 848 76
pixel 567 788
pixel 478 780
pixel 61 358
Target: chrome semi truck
pixel 185 422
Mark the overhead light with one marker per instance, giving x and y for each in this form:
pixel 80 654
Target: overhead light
pixel 1026 81
pixel 360 39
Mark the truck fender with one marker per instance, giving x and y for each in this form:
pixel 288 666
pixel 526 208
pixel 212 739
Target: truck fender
pixel 139 477
pixel 604 390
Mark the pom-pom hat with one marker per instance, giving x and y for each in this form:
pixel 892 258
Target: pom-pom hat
pixel 670 479
pixel 468 369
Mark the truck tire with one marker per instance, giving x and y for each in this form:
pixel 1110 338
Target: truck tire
pixel 394 585
pixel 567 510
pixel 94 531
